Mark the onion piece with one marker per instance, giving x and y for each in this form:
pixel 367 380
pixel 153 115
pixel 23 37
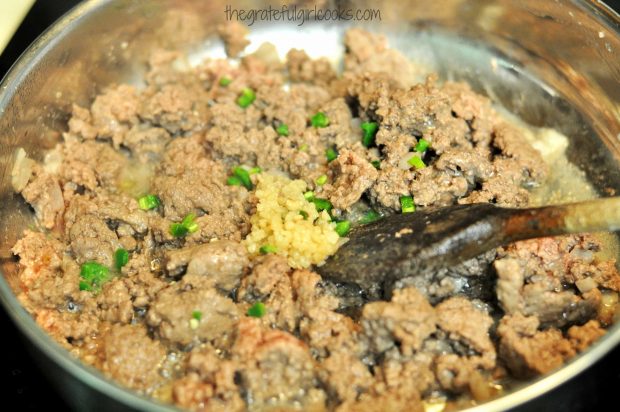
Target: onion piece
pixel 585 285
pixel 267 53
pixel 22 170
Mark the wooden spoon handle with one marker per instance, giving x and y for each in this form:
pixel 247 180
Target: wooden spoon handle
pixel 589 216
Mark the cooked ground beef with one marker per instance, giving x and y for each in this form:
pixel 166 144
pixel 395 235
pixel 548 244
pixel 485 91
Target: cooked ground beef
pixel 173 320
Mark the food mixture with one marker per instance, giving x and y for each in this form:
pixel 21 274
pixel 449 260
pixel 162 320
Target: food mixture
pixel 179 225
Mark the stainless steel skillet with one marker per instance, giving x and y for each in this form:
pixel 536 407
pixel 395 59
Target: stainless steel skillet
pixel 552 63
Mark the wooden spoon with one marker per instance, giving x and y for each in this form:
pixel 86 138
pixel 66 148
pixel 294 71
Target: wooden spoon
pixel 409 244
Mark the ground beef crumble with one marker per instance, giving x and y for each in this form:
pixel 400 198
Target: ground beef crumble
pixel 172 322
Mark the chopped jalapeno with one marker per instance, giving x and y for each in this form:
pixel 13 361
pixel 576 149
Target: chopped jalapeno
pixel 343 227
pixel 370 216
pixel 93 275
pixel 187 225
pixel 243 176
pixel 322 204
pixel 282 130
pixel 319 120
pixel 149 202
pixel 258 310
pixel 178 230
pixel 246 98
pixel 121 257
pixel 369 130
pixel 406 204
pixel 321 180
pixel 416 162
pixel 233 181
pixel 331 154
pixel 266 249
pixel 422 145
pixel 189 222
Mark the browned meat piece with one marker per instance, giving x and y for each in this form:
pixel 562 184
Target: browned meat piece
pixel 270 283
pixel 466 324
pixel 235 137
pixel 470 146
pixel 367 52
pixel 406 400
pixel 475 110
pixel 93 226
pixel 91 164
pixel 404 375
pixel 231 224
pixel 222 262
pixel 81 123
pixel 268 271
pixel 308 292
pixel 44 195
pixel 459 374
pixel 210 382
pixel 345 375
pixel 131 357
pixel 146 143
pixel 233 34
pixel 115 302
pixel 110 116
pixel 509 141
pixel 451 343
pixel 290 297
pixel 68 329
pixel 174 308
pixel 37 253
pixel 405 322
pixel 67 314
pixel 462 321
pixel 306 307
pixel 581 337
pixel 92 240
pixel 250 143
pixel 114 111
pixel 189 182
pixel 527 351
pixel 278 368
pixel 143 285
pixel 470 165
pixel 329 332
pixel 351 176
pixel 301 68
pixel 542 297
pixel 173 107
pixel 292 108
pixel 391 184
pixel 533 277
pixel 339 132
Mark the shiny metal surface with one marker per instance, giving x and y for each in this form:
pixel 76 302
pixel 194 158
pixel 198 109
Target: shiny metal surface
pixel 555 64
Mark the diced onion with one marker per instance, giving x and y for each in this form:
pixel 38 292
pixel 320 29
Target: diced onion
pixel 585 285
pixel 22 170
pixel 267 53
